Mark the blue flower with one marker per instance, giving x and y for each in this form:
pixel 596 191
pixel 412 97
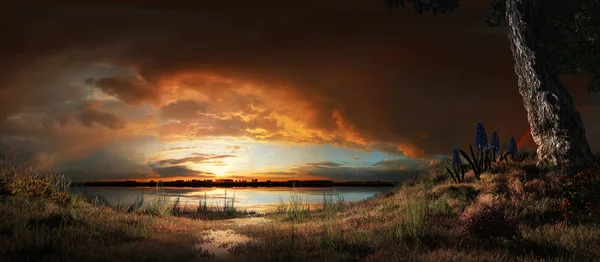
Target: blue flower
pixel 481 141
pixel 456 163
pixel 512 147
pixel 495 143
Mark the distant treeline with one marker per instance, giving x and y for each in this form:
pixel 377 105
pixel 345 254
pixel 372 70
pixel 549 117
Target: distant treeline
pixel 242 183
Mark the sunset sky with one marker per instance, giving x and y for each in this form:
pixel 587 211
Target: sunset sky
pixel 342 90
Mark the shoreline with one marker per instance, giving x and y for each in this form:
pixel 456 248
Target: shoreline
pixel 234 184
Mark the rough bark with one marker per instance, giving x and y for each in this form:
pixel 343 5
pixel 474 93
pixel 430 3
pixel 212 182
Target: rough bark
pixel 556 126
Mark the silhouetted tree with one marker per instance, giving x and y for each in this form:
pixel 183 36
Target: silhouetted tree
pixel 547 38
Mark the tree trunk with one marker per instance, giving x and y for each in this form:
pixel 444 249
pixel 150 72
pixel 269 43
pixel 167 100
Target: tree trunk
pixel 556 126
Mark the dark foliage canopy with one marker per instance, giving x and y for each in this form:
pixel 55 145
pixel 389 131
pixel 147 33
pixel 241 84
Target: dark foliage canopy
pixel 571 29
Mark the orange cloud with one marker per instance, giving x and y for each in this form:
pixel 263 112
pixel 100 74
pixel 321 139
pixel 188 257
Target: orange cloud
pixel 177 149
pixel 347 130
pixel 90 115
pixel 410 150
pixel 185 81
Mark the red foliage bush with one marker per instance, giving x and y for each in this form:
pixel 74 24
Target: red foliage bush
pixel 486 218
pixel 581 196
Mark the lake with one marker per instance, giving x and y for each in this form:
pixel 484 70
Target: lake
pixel 251 199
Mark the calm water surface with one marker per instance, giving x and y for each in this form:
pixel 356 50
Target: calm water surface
pixel 250 199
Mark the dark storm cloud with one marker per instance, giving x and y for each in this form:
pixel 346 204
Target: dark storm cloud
pixel 130 89
pixel 363 75
pixel 89 115
pixel 196 158
pixel 386 170
pixel 183 110
pixel 323 164
pixel 180 171
pixel 276 173
pixel 178 149
pixel 108 161
pixel 399 163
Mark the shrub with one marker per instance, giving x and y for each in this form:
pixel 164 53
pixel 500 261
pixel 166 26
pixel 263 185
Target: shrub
pixel 485 158
pixel 24 180
pixel 458 170
pixel 465 193
pixel 493 184
pixel 481 142
pixel 486 153
pixel 512 147
pixel 486 218
pixel 437 172
pixel 581 196
pixel 536 188
pixel 440 207
pixel 516 189
pixel 59 197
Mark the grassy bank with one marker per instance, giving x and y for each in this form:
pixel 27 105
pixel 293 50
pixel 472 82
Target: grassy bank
pixel 511 214
pixel 41 221
pixel 78 231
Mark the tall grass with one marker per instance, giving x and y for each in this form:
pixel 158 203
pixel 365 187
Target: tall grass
pixel 176 208
pixel 297 208
pixel 119 206
pixel 229 208
pixel 136 206
pixel 25 180
pixel 329 205
pixel 282 207
pixel 202 205
pixel 414 213
pixel 418 222
pixel 33 229
pixel 160 206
